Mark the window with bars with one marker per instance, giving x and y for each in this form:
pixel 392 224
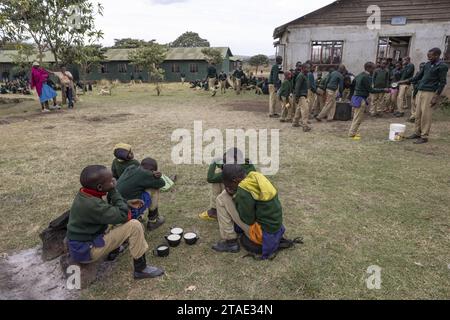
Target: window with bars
pixel 327 52
pixel 175 68
pixel 193 67
pixel 447 50
pixel 123 68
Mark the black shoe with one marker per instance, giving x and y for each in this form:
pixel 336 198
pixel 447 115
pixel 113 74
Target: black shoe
pixel 414 136
pixel 152 225
pixel 296 125
pixel 142 271
pixel 421 141
pixel 113 255
pixel 399 115
pixel 318 119
pixel 231 246
pixel 307 129
pixel 411 120
pixel 282 120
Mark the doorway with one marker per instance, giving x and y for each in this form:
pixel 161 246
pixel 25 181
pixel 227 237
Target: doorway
pixel 395 48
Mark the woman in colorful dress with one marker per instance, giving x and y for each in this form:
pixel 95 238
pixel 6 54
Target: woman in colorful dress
pixel 39 77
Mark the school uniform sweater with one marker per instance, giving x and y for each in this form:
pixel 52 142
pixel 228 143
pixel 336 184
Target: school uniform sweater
pixel 408 72
pixel 119 166
pixel 217 177
pixel 312 82
pixel 432 78
pixel 301 86
pixel 257 202
pixel 335 81
pixel 212 72
pixel 239 74
pixel 90 216
pixel 274 77
pixel 286 88
pixel 363 85
pixel 381 78
pixel 135 180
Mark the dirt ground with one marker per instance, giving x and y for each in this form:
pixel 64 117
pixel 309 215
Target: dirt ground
pixel 356 204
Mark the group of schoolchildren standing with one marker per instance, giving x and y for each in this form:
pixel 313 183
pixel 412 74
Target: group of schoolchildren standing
pixel 379 88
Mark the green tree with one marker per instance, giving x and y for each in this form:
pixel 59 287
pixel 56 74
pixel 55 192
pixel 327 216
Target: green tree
pixel 213 55
pixel 57 25
pixel 25 55
pixel 129 43
pixel 190 40
pixel 258 61
pixel 150 58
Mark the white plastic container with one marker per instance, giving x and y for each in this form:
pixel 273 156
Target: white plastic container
pixel 397 132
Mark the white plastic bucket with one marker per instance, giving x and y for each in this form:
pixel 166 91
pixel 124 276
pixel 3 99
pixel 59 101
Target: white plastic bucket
pixel 397 132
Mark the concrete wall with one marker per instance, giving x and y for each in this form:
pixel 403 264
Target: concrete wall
pixel 361 44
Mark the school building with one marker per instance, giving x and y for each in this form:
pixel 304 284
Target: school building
pixel 344 32
pixel 117 65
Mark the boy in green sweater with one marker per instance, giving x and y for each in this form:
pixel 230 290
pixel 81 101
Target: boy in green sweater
pixel 143 183
pixel 215 178
pixel 285 92
pixel 363 88
pixel 334 87
pixel 124 158
pixel 301 99
pixel 381 80
pixel 251 203
pixel 88 238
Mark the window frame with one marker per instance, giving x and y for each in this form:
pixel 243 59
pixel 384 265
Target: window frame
pixel 447 49
pixel 103 68
pixel 175 68
pixel 193 67
pixel 122 70
pixel 336 46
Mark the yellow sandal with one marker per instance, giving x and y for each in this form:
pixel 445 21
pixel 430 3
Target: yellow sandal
pixel 206 217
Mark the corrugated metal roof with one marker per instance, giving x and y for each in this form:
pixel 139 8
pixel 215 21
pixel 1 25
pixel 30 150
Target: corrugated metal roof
pixel 193 53
pixel 7 56
pixel 354 12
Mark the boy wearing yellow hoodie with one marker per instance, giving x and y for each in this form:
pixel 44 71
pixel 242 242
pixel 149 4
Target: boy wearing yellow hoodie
pixel 250 202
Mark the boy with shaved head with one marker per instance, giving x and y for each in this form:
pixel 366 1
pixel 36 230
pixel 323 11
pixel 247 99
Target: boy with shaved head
pixel 88 238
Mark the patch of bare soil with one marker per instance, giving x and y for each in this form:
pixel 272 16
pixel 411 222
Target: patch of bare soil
pixel 111 118
pixel 250 106
pixel 25 276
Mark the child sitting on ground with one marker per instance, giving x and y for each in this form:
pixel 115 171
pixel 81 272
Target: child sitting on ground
pixel 90 216
pixel 215 178
pixel 124 159
pixel 250 202
pixel 143 182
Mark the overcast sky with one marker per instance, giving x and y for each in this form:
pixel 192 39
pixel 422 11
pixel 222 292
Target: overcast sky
pixel 246 26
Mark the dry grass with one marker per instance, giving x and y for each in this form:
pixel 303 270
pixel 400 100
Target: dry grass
pixel 356 204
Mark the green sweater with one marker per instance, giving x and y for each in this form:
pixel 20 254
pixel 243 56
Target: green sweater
pixel 274 77
pixel 90 216
pixel 335 81
pixel 432 78
pixel 269 214
pixel 301 86
pixel 408 72
pixel 118 167
pixel 363 85
pixel 216 177
pixel 286 88
pixel 212 72
pixel 135 180
pixel 381 78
